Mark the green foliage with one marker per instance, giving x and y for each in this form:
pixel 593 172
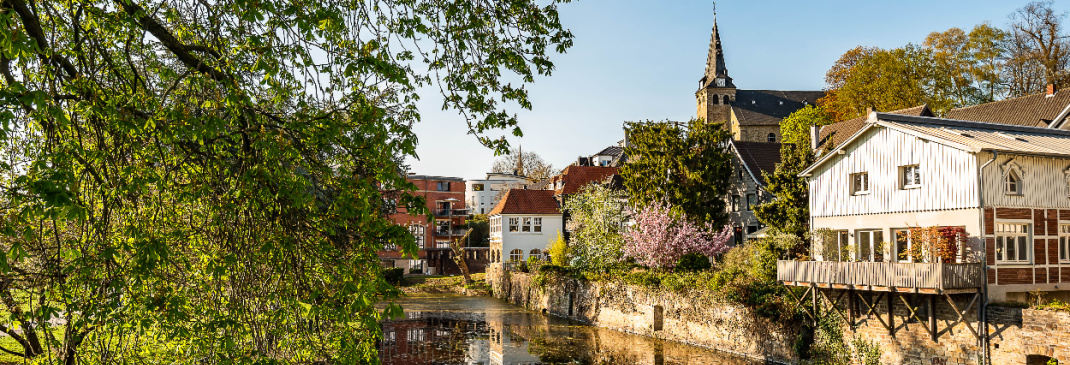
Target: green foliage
pixel 209 182
pixel 831 347
pixel 559 251
pixel 789 212
pixel 596 221
pixel 796 127
pixel 686 167
pixel 480 236
pixel 693 262
pixel 394 275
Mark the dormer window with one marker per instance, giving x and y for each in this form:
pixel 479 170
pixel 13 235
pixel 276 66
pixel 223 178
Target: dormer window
pixel 860 183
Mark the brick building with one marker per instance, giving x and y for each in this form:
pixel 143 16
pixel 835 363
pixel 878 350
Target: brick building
pixel 445 199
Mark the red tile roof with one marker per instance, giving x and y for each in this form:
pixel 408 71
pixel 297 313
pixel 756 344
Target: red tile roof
pixel 523 201
pixel 1037 110
pixel 576 177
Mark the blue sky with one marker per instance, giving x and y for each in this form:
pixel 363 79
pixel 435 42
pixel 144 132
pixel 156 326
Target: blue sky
pixel 638 60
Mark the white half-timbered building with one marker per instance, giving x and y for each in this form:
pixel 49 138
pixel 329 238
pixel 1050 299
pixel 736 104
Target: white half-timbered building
pixel 902 172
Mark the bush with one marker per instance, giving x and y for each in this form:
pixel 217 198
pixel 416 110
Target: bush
pixel 693 262
pixel 416 271
pixel 394 275
pixel 551 269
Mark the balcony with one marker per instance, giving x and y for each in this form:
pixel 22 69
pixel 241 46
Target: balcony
pixel 928 278
pixel 457 232
pixel 451 212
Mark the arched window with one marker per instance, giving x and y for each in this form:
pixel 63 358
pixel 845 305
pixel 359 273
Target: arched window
pixel 725 100
pixel 1013 184
pixel 771 137
pixel 535 253
pixel 516 255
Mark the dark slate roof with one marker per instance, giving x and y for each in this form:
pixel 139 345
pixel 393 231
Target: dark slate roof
pixel 758 157
pixel 1037 110
pixel 523 201
pixel 611 151
pixel 839 132
pixel 769 107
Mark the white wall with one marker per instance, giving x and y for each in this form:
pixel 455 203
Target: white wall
pixel 504 241
pixel 482 202
pixel 1044 182
pixel 949 177
pixel 968 218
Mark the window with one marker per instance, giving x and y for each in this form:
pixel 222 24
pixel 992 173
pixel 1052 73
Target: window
pixel 516 255
pixel 903 244
pixel 771 137
pixel 416 265
pixel 536 225
pixel 869 245
pixel 1064 242
pixel 443 227
pixel 526 227
pixel 514 224
pixel 752 229
pixel 1013 184
pixel 835 246
pixel 477 187
pixel 443 186
pixel 420 232
pixel 735 203
pixel 860 183
pixel 1013 243
pixel 752 201
pixel 911 176
pixel 535 253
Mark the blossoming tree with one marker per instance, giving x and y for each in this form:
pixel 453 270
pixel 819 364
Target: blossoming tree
pixel 658 239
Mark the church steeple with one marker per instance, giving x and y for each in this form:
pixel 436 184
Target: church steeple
pixel 716 73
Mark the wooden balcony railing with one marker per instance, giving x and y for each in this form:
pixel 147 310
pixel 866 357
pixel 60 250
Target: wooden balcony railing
pixel 935 276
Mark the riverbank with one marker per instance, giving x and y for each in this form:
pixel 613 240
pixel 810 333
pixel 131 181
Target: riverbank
pixel 446 285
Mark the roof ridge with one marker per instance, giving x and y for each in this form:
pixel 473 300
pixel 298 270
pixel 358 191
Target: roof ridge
pixel 969 124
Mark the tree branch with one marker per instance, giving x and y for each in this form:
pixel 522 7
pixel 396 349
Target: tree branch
pixel 180 50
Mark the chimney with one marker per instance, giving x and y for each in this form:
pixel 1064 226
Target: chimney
pixel 1051 90
pixel 814 134
pixel 869 110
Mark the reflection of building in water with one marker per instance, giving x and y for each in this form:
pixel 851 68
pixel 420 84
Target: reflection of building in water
pixel 429 337
pixel 508 336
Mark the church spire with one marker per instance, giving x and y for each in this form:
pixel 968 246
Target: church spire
pixel 519 171
pixel 715 67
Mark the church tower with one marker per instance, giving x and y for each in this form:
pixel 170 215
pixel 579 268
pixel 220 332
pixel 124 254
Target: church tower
pixel 716 90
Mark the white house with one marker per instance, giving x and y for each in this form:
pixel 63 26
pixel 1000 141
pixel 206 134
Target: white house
pixel 483 195
pixel 901 172
pixel 523 224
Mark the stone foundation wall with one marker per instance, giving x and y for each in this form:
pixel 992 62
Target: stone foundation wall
pixel 694 319
pixel 1015 335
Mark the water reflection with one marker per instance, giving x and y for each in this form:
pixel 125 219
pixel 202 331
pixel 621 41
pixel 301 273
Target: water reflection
pixel 441 329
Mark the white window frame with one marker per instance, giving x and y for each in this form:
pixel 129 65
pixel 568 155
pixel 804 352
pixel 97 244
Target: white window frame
pixel 1012 187
pixel 860 183
pixel 1064 242
pixel 420 233
pixel 1012 231
pixel 750 205
pixel 908 243
pixel 525 225
pixel 910 176
pixel 536 224
pixel 873 245
pixel 514 224
pixel 516 255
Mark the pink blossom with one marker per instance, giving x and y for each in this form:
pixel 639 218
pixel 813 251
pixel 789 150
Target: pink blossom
pixel 657 239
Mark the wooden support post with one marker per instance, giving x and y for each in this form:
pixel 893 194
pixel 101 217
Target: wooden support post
pixel 816 313
pixel 851 310
pixel 891 314
pixel 932 317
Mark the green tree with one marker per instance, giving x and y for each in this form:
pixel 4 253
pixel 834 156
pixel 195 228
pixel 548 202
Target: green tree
pixel 596 222
pixel 687 167
pixel 886 80
pixel 796 127
pixel 480 236
pixel 203 181
pixel 789 211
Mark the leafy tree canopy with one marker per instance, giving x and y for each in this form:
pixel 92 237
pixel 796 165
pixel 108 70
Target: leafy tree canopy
pixel 686 166
pixel 596 218
pixel 789 211
pixel 193 181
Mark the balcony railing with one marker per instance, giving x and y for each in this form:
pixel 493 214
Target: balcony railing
pixel 457 232
pixel 868 275
pixel 451 212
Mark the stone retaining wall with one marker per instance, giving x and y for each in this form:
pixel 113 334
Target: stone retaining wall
pixel 661 314
pixel 1016 336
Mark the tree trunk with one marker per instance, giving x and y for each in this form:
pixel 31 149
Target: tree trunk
pixel 458 256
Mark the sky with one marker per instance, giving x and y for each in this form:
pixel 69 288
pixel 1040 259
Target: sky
pixel 637 60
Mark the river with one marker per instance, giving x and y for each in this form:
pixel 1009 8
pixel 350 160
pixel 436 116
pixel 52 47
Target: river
pixel 451 329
